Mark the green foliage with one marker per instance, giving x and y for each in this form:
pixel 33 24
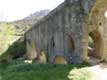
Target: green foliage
pixel 91 42
pixel 16 50
pixel 79 74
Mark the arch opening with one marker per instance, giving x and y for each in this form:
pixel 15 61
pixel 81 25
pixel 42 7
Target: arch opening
pixel 59 60
pixel 51 44
pixel 94 44
pixel 70 42
pixel 91 46
pixel 97 24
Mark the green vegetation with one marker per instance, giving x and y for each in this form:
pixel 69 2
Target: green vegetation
pixel 80 74
pixel 91 42
pixel 16 50
pixel 18 70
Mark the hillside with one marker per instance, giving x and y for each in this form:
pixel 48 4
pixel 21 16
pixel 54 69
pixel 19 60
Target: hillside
pixel 7 35
pixel 38 13
pixel 10 32
pixel 26 23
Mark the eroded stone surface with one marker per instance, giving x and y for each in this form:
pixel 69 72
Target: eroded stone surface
pixel 78 18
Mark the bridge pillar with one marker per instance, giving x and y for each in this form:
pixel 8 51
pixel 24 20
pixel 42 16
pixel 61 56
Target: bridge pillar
pixel 85 48
pixel 31 49
pixel 104 55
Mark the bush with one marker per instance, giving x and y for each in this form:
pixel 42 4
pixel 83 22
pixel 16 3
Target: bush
pixel 16 50
pixel 79 74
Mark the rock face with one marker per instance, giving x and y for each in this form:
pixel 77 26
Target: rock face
pixel 65 31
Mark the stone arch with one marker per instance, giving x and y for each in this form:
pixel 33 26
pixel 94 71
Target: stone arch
pixel 31 49
pixel 97 21
pixel 59 59
pixel 96 52
pixel 61 44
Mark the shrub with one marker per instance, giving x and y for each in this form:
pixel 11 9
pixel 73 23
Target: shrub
pixel 16 50
pixel 79 74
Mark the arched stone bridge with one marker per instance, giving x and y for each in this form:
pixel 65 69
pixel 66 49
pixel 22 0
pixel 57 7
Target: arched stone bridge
pixel 62 35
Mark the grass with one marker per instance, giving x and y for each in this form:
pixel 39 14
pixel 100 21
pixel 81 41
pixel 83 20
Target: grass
pixel 18 70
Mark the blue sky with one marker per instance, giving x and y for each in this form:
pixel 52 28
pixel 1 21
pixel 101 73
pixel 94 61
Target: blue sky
pixel 11 10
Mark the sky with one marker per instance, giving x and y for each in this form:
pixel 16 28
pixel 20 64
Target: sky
pixel 11 10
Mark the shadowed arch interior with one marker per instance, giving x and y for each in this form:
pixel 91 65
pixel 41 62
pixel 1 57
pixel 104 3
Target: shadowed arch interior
pixel 95 35
pixel 96 25
pixel 70 42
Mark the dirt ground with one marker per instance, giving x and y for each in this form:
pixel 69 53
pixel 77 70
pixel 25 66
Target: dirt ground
pixel 99 72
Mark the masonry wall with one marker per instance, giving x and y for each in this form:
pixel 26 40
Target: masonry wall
pixel 52 33
pixel 63 32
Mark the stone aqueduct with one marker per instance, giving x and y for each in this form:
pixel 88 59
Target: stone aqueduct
pixel 62 35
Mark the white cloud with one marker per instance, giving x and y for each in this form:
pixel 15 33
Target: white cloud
pixel 17 9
